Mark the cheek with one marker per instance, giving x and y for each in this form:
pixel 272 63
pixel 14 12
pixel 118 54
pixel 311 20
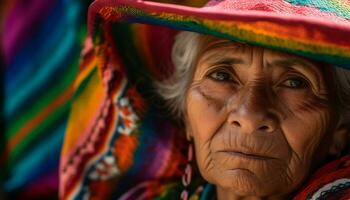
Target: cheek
pixel 305 127
pixel 204 113
pixel 306 121
pixel 204 118
pixel 305 131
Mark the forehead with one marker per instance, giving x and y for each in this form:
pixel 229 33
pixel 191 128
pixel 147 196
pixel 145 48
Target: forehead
pixel 212 49
pixel 212 46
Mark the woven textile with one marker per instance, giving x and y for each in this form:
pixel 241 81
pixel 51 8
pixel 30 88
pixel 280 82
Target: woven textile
pixel 40 44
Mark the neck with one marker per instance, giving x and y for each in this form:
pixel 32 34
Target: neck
pixel 225 194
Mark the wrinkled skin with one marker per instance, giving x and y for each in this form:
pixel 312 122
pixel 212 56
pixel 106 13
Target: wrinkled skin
pixel 260 119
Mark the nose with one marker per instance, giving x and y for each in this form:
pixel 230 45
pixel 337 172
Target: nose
pixel 253 112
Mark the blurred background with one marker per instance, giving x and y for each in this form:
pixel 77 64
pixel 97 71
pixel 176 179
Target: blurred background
pixel 40 43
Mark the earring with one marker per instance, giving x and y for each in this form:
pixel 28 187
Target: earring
pixel 187 176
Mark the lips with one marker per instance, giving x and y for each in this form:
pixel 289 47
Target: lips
pixel 247 155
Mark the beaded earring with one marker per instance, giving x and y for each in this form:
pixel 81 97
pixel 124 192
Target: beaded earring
pixel 187 176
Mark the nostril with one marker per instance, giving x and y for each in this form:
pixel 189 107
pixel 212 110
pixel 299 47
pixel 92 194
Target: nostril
pixel 264 128
pixel 236 123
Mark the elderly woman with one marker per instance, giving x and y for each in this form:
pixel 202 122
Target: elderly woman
pixel 253 106
pixel 260 119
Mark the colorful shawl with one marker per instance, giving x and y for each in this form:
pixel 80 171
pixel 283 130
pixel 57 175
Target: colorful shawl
pixel 40 47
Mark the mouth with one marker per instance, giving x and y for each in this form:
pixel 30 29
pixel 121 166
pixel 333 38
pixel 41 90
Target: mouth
pixel 246 155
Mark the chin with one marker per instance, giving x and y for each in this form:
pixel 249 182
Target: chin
pixel 243 182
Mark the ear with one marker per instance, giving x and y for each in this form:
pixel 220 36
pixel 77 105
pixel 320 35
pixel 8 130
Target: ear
pixel 188 129
pixel 189 133
pixel 339 138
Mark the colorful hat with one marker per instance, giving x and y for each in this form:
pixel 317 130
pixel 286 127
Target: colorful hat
pixel 120 141
pixel 317 29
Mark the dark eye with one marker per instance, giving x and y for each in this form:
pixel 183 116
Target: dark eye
pixel 295 83
pixel 221 75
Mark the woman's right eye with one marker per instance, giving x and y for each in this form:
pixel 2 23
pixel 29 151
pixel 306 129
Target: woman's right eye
pixel 221 75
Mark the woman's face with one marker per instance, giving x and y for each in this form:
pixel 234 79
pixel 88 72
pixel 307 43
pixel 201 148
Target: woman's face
pixel 259 118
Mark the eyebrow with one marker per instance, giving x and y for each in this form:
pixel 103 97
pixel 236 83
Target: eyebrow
pixel 215 56
pixel 225 60
pixel 228 61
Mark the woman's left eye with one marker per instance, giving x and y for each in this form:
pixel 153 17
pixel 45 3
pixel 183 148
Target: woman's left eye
pixel 295 83
pixel 221 76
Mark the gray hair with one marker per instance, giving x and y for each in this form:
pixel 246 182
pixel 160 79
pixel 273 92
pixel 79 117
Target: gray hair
pixel 184 57
pixel 173 89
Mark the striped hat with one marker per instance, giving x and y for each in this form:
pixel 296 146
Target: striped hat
pixel 317 29
pixel 119 143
